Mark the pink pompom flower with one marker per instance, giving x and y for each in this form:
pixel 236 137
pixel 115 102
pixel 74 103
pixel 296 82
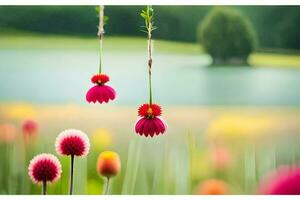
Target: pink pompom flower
pixel 100 92
pixel 150 123
pixel 283 181
pixel 44 168
pixel 72 143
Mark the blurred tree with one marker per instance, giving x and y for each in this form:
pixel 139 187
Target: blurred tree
pixel 227 36
pixel 276 26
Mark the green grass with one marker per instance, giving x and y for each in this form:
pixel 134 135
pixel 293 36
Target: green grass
pixel 275 60
pixel 10 39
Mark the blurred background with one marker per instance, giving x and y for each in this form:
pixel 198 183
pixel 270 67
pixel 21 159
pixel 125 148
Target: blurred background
pixel 226 77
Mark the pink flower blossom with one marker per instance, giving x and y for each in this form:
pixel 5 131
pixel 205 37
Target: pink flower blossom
pixel 44 167
pixel 150 123
pixel 100 92
pixel 72 142
pixel 150 126
pixel 29 127
pixel 283 181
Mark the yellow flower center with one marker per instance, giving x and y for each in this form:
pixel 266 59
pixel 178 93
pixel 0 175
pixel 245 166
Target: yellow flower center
pixel 149 111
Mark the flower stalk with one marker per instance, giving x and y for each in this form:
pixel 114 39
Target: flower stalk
pixel 71 175
pixel 101 34
pixel 106 190
pixel 44 188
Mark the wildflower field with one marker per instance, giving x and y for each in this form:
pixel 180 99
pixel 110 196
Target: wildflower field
pixel 238 145
pixel 153 117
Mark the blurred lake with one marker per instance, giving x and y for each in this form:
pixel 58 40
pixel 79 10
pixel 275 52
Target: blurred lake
pixel 63 76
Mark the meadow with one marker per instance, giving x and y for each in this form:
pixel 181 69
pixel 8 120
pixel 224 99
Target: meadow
pixel 250 113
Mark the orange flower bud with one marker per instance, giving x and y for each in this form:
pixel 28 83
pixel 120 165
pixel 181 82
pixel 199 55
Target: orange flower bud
pixel 212 187
pixel 108 164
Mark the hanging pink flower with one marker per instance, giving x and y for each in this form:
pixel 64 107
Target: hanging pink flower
pixel 100 92
pixel 72 142
pixel 283 181
pixel 44 168
pixel 150 123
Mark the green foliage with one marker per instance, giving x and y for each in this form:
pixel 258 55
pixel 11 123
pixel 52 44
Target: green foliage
pixel 147 14
pixel 227 36
pixel 276 26
pixel 105 18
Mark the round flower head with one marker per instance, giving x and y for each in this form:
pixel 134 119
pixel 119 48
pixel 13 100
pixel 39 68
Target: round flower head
pixel 72 142
pixel 44 167
pixel 100 92
pixel 212 187
pixel 284 181
pixel 108 164
pixel 150 123
pixel 29 127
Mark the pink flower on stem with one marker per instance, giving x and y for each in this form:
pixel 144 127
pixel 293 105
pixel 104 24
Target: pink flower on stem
pixel 150 123
pixel 100 92
pixel 283 181
pixel 44 168
pixel 29 127
pixel 72 143
pixel 30 130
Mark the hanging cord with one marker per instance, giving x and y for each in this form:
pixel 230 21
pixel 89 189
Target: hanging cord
pixel 150 63
pixel 101 33
pixel 147 14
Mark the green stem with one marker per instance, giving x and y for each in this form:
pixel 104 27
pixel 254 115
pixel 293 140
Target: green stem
pixel 105 192
pixel 150 65
pixel 100 52
pixel 44 188
pixel 150 88
pixel 71 175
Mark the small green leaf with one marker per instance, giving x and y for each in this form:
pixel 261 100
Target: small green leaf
pixel 147 14
pixel 105 20
pixel 97 9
